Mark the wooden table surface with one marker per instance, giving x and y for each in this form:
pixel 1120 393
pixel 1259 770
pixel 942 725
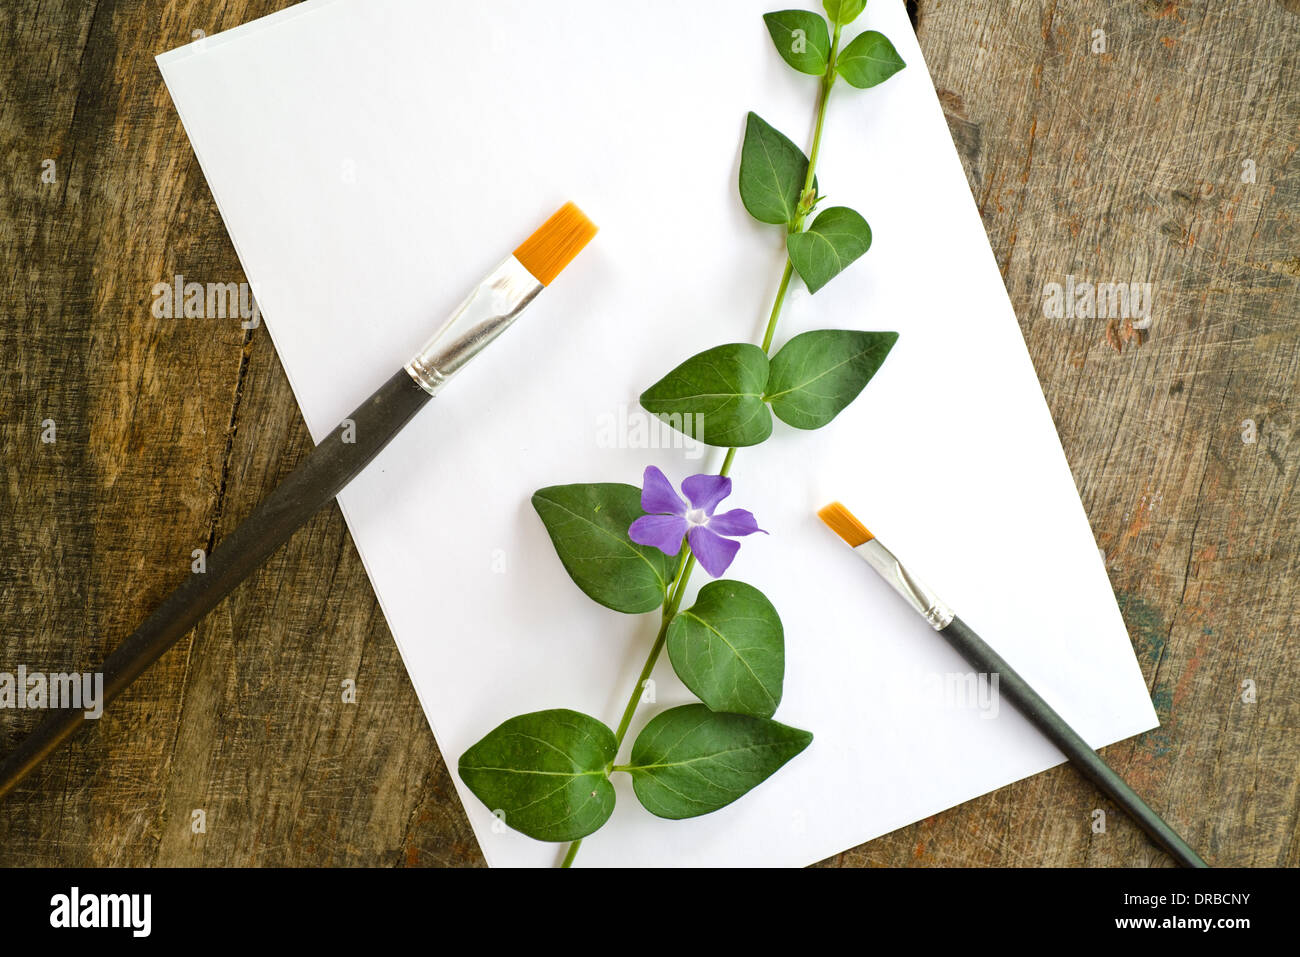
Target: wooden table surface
pixel 1167 157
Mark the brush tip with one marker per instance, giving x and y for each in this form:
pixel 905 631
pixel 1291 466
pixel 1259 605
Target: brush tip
pixel 548 251
pixel 844 524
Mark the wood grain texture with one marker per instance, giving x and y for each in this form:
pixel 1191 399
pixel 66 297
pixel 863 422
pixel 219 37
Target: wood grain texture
pixel 1124 165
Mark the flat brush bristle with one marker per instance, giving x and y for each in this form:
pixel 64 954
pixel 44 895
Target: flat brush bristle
pixel 548 251
pixel 843 524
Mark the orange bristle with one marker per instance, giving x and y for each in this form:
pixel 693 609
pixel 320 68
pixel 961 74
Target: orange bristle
pixel 843 524
pixel 546 252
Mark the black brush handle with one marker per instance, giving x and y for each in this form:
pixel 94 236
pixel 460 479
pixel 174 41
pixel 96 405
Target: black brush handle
pixel 311 486
pixel 1029 703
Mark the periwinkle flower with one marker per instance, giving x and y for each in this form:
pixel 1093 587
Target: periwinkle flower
pixel 671 519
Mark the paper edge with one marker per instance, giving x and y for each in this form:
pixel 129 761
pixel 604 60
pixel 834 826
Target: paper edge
pixel 277 18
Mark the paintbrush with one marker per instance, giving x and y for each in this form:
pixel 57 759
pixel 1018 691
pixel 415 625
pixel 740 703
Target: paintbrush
pixel 488 311
pixel 1013 687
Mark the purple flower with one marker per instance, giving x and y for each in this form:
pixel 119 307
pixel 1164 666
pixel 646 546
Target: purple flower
pixel 671 519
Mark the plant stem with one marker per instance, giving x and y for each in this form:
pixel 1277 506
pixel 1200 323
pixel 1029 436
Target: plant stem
pixel 726 463
pixel 573 852
pixel 777 306
pixel 828 81
pixel 686 565
pixel 676 589
pixel 807 199
pixel 673 602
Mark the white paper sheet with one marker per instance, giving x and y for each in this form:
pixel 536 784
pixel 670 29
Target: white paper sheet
pixel 372 160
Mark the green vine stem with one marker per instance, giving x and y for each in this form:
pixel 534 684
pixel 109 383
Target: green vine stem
pixel 571 853
pixel 675 591
pixel 677 588
pixel 770 334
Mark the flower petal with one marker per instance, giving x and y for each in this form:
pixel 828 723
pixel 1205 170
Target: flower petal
pixel 658 497
pixel 736 522
pixel 706 491
pixel 664 532
pixel 714 552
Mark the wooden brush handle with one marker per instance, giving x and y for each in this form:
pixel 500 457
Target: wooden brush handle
pixel 311 486
pixel 1029 703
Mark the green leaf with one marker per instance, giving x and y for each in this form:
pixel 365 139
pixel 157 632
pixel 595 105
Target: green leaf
pixel 772 173
pixel 729 649
pixel 844 11
pixel 546 772
pixel 817 374
pixel 588 526
pixel 690 761
pixel 802 40
pixel 868 60
pixel 716 397
pixel 829 246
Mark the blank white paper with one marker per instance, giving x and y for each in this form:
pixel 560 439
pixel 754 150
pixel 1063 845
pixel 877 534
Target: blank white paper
pixel 373 160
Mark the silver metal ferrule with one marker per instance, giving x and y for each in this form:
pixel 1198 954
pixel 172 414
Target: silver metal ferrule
pixel 489 311
pixel 914 592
